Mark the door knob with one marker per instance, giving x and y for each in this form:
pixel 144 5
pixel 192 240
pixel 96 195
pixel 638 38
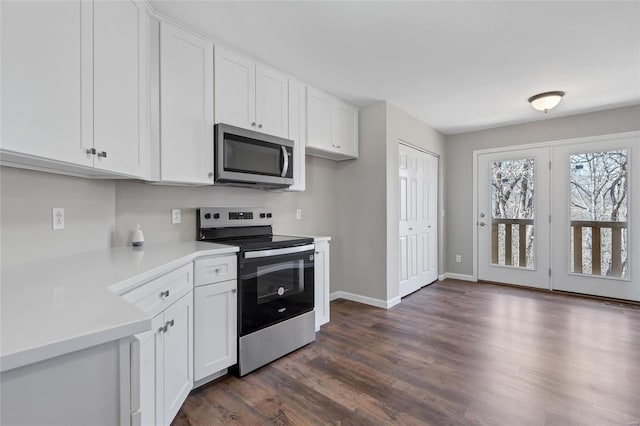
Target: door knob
pixel 481 214
pixel 482 224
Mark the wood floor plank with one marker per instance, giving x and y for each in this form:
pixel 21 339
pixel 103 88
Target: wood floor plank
pixel 453 353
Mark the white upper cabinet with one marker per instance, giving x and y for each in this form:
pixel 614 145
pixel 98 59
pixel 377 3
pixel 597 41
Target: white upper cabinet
pixel 45 83
pixel 249 95
pixel 332 127
pixel 74 86
pixel 119 87
pixel 272 102
pixel 298 132
pixel 235 80
pixel 186 107
pixel 319 120
pixel 345 129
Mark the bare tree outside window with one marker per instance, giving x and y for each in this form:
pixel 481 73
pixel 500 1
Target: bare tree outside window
pixel 513 212
pixel 599 213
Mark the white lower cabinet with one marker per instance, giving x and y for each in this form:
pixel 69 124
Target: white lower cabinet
pixel 321 282
pixel 215 328
pixel 162 358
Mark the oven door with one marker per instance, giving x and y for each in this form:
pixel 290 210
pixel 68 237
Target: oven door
pixel 274 285
pixel 245 156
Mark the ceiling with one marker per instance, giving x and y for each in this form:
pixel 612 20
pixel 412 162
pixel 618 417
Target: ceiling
pixel 457 66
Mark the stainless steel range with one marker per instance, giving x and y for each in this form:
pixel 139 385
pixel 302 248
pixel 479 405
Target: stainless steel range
pixel 275 283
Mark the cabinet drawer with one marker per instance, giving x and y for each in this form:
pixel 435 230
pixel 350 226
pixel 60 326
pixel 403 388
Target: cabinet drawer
pixel 156 295
pixel 215 269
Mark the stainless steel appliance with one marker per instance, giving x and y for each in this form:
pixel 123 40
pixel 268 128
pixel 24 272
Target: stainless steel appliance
pixel 275 283
pixel 248 158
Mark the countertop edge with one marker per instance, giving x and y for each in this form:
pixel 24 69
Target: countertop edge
pixel 30 356
pixel 137 280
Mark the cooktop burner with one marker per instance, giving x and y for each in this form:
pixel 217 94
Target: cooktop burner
pixel 264 242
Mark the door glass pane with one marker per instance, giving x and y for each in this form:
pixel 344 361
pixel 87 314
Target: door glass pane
pixel 598 205
pixel 512 213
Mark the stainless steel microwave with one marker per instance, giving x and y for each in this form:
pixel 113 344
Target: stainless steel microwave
pixel 252 159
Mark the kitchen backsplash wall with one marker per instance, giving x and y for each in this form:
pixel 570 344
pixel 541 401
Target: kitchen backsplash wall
pixel 26 232
pixel 150 206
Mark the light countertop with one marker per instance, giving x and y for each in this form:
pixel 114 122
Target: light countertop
pixel 63 305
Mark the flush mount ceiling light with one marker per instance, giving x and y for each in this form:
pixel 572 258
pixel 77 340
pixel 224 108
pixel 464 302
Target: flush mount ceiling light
pixel 545 101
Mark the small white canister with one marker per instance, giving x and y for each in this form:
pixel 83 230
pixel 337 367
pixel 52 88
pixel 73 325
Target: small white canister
pixel 138 237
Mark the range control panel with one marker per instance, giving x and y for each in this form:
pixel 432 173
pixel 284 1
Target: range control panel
pixel 222 217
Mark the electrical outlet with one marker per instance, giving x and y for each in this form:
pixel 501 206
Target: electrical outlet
pixel 458 258
pixel 299 214
pixel 176 216
pixel 57 218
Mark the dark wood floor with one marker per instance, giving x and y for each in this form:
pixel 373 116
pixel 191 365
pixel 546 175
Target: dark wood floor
pixel 453 353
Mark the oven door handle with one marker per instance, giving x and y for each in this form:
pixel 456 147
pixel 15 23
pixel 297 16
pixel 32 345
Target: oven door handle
pixel 285 158
pixel 277 252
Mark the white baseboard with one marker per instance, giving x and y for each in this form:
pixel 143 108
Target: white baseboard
pixel 461 277
pixel 378 303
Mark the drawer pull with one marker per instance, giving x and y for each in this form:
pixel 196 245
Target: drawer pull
pixel 217 270
pixel 164 293
pixel 163 329
pixel 169 324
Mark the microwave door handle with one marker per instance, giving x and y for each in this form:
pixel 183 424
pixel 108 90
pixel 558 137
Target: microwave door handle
pixel 285 165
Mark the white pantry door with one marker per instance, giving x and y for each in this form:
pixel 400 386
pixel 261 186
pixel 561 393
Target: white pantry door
pixel 418 175
pixel 513 217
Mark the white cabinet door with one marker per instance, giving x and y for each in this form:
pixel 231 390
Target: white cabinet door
pixel 272 102
pixel 177 366
pixel 319 120
pixel 345 129
pixel 186 107
pixel 321 283
pixel 143 377
pixel 235 94
pixel 119 69
pixel 298 132
pixel 47 79
pixel 215 328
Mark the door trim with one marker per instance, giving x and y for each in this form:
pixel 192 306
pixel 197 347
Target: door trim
pixel 559 142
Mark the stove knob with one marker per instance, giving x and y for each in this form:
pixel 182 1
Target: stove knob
pixel 262 215
pixel 269 215
pixel 216 215
pixel 207 215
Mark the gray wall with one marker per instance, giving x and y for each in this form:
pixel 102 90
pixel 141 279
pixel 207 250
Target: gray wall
pixel 459 166
pixel 404 127
pixel 25 215
pixel 361 216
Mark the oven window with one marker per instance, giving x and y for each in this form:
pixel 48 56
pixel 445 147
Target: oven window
pixel 280 280
pixel 246 155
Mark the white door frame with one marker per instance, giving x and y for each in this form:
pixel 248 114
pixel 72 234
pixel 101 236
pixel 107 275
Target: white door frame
pixel 476 153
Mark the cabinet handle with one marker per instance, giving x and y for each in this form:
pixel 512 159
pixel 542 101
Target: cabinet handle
pixel 233 290
pixel 164 293
pixel 163 329
pixel 102 154
pixel 259 126
pixel 338 146
pixel 253 124
pixel 217 270
pixel 169 324
pixel 317 252
pixel 91 151
pixel 210 174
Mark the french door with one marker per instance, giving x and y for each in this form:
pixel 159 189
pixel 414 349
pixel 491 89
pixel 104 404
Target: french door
pixel 418 173
pixel 596 220
pixel 561 217
pixel 513 217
